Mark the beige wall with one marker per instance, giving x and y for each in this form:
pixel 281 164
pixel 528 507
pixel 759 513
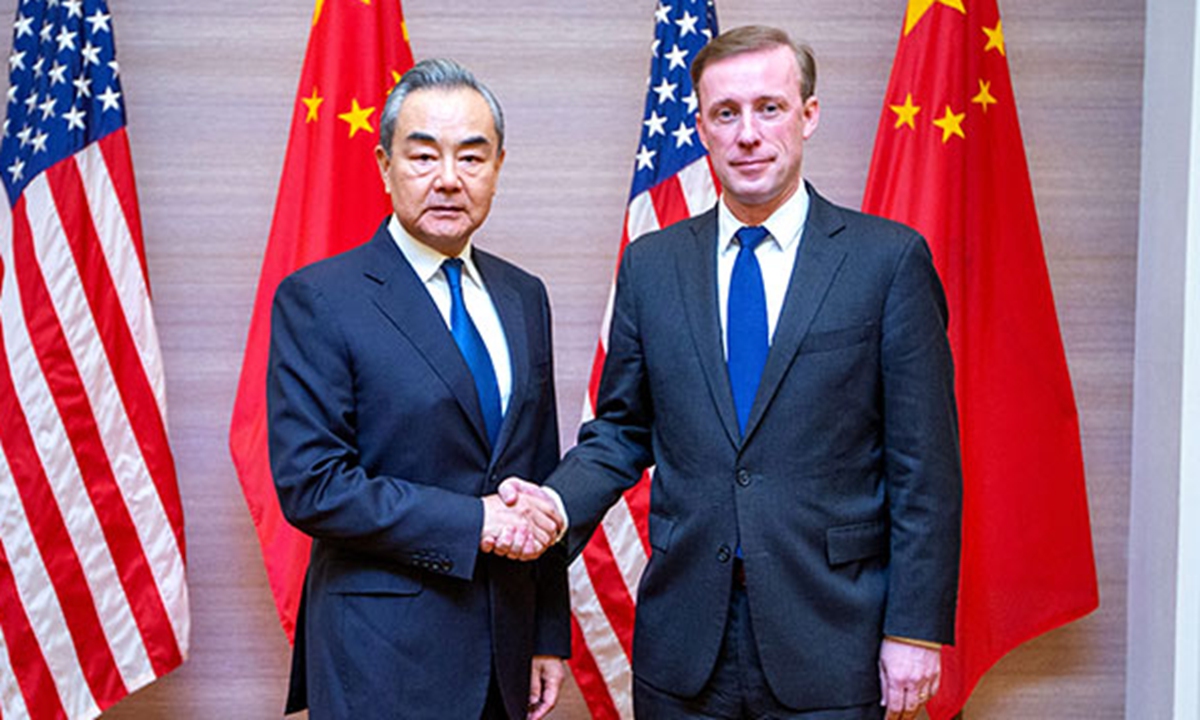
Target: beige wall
pixel 210 88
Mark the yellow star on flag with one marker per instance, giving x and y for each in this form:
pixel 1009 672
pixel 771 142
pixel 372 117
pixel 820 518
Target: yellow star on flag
pixel 317 11
pixel 312 103
pixel 918 8
pixel 951 124
pixel 984 97
pixel 358 117
pixel 995 37
pixel 906 113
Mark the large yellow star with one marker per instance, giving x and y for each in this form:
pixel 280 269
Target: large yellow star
pixel 321 5
pixel 984 97
pixel 918 8
pixel 358 117
pixel 951 124
pixel 995 38
pixel 312 103
pixel 906 113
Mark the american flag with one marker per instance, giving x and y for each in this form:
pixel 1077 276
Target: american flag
pixel 93 601
pixel 672 180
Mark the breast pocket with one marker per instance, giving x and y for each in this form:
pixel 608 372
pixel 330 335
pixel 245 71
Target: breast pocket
pixel 827 340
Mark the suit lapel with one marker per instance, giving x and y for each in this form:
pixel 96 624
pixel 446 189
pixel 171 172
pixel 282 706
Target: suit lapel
pixel 516 332
pixel 697 270
pixel 817 261
pixel 402 297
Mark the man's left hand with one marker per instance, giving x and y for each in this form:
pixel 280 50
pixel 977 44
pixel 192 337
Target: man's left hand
pixel 544 684
pixel 909 675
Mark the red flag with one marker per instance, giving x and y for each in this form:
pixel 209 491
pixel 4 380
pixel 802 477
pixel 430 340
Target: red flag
pixel 93 594
pixel 672 181
pixel 330 199
pixel 949 161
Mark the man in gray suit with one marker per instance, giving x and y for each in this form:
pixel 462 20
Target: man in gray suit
pixel 783 363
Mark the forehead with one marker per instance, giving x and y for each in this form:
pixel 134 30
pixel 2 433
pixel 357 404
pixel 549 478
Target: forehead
pixel 772 72
pixel 450 115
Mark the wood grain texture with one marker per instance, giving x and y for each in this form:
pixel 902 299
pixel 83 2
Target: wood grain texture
pixel 210 88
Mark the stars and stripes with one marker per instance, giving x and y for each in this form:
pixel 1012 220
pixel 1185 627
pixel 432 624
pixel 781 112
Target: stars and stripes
pixel 672 180
pixel 93 599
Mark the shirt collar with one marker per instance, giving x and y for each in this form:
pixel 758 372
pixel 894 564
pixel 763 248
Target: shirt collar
pixel 426 261
pixel 785 224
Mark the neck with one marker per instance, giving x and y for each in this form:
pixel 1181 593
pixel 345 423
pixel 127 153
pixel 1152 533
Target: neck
pixel 757 214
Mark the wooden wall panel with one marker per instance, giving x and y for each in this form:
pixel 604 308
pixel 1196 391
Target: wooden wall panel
pixel 210 88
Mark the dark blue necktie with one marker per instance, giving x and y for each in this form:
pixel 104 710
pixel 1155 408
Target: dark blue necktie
pixel 473 349
pixel 746 323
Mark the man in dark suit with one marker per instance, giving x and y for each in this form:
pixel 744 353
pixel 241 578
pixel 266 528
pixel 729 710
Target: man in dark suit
pixel 783 363
pixel 406 377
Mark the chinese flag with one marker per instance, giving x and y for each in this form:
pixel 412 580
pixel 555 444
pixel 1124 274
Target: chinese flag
pixel 949 161
pixel 331 198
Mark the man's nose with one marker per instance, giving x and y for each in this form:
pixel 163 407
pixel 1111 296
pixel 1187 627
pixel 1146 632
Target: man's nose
pixel 748 130
pixel 447 178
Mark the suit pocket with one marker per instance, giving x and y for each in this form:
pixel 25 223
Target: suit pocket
pixel 660 532
pixel 848 543
pixel 825 340
pixel 372 581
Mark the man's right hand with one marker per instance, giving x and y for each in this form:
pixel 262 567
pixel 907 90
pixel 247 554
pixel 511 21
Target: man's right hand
pixel 519 522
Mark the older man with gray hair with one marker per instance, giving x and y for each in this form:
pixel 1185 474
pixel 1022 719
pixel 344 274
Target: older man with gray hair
pixel 406 378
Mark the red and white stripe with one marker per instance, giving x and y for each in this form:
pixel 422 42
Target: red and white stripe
pixel 605 577
pixel 92 557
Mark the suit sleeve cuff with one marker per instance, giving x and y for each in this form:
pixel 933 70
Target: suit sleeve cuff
pixel 562 512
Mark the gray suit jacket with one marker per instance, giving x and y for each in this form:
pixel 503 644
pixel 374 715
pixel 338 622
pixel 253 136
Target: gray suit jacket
pixel 845 493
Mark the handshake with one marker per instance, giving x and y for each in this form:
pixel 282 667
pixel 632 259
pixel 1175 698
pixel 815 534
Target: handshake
pixel 520 521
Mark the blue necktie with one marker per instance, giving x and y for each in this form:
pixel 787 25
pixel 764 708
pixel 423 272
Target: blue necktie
pixel 746 324
pixel 474 351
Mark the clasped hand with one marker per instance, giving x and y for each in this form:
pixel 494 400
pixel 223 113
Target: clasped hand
pixel 520 521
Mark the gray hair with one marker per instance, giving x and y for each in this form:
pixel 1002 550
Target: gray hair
pixel 435 73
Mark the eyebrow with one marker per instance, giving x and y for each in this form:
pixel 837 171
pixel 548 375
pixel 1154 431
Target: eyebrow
pixel 472 141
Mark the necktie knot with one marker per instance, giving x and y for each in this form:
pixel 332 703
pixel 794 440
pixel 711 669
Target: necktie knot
pixel 452 267
pixel 750 236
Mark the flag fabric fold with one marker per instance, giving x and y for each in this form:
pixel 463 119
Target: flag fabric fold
pixel 672 181
pixel 330 199
pixel 93 594
pixel 949 161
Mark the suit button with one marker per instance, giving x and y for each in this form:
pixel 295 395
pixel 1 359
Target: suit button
pixel 447 566
pixel 743 477
pixel 724 553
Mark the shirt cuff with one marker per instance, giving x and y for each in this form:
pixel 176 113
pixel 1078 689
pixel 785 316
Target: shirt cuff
pixel 912 641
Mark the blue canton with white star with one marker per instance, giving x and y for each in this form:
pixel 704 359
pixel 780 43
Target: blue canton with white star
pixel 669 142
pixel 63 91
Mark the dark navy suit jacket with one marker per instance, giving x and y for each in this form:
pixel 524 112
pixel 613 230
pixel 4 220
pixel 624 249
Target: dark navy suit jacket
pixel 845 492
pixel 379 452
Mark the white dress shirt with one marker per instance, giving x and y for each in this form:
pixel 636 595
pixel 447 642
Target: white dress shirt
pixel 427 263
pixel 776 256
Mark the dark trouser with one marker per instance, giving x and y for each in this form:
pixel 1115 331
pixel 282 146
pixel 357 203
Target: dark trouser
pixel 493 708
pixel 738 688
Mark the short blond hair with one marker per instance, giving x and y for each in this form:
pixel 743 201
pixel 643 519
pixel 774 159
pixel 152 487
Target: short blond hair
pixel 753 38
